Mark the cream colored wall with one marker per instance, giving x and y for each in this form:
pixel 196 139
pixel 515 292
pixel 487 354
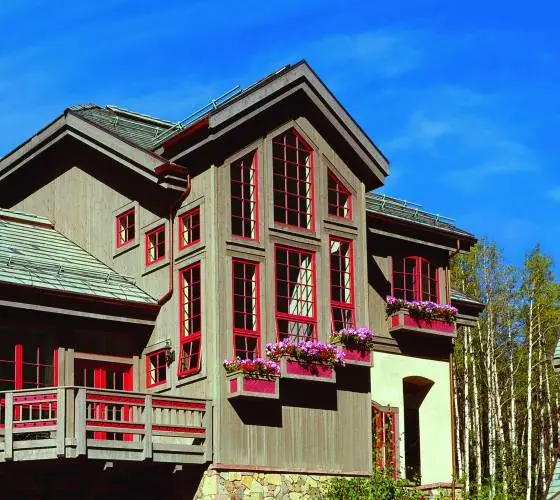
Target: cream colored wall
pixel 387 376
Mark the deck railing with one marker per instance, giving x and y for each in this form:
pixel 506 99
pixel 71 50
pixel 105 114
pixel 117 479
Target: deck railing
pixel 104 424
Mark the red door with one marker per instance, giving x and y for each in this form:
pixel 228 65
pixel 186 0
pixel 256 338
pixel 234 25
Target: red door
pixel 105 375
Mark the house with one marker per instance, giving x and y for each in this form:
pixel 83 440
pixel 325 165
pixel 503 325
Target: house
pixel 554 483
pixel 158 249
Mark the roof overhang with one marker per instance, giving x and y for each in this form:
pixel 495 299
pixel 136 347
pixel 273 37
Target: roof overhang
pixel 298 80
pixel 418 233
pixel 71 126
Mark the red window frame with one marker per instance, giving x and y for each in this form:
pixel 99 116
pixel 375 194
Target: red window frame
pixel 385 439
pixel 414 275
pixel 288 172
pixel 339 198
pixel 123 224
pixel 189 228
pixel 156 362
pixel 245 197
pixel 296 311
pixel 246 314
pixel 341 270
pixel 19 364
pixel 157 245
pixel 190 336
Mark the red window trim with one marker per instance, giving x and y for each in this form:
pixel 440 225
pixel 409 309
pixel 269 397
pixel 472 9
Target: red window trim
pixel 255 168
pixel 158 229
pixel 256 334
pixel 118 218
pixel 379 413
pixel 311 152
pixel 150 355
pixel 18 363
pixel 351 306
pixel 417 291
pixel 182 217
pixel 312 321
pixel 192 336
pixel 340 187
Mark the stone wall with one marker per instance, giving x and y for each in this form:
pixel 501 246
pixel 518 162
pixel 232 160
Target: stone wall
pixel 223 485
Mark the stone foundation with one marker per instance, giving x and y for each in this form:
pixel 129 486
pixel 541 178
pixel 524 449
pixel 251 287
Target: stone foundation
pixel 224 485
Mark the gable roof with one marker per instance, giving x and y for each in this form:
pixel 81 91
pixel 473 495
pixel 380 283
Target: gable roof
pixel 393 208
pixel 33 253
pixel 458 296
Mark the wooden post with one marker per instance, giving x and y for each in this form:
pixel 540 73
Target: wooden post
pixel 80 421
pixel 207 422
pixel 9 422
pixel 148 442
pixel 60 421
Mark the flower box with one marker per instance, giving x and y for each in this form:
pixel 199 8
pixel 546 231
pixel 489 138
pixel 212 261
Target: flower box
pixel 294 369
pixel 403 321
pixel 240 385
pixel 356 357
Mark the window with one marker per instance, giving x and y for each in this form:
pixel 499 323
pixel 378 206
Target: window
pixel 342 284
pixel 415 278
pixel 244 197
pixel 155 245
pixel 126 228
pixel 189 228
pixel 246 313
pixel 27 367
pixel 295 294
pixel 385 438
pixel 292 166
pixel 156 368
pixel 191 320
pixel 339 198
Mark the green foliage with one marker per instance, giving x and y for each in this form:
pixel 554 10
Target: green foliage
pixel 380 486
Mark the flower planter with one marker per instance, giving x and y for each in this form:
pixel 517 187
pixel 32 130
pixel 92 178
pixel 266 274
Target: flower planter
pixel 403 321
pixel 316 372
pixel 355 357
pixel 240 385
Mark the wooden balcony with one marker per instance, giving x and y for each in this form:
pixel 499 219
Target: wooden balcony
pixel 72 422
pixel 402 321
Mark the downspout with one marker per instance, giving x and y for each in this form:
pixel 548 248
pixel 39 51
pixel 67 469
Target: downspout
pixel 452 406
pixel 171 218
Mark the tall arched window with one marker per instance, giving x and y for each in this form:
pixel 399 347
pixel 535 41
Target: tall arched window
pixel 415 278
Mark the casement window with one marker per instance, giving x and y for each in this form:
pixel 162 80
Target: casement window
pixel 244 196
pixel 189 228
pixel 415 278
pixel 385 438
pixel 156 368
pixel 27 367
pixel 191 320
pixel 339 198
pixel 246 310
pixel 155 245
pixel 342 283
pixel 125 228
pixel 292 170
pixel 295 294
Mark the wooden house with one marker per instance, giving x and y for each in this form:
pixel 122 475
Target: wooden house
pixel 158 249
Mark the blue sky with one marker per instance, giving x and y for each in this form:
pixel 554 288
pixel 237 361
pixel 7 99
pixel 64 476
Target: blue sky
pixel 463 97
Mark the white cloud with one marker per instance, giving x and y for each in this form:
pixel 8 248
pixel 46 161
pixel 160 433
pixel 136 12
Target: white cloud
pixel 554 194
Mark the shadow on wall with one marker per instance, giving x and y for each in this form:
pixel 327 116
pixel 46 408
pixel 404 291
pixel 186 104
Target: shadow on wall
pixel 415 390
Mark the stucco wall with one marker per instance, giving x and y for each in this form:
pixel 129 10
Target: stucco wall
pixel 387 376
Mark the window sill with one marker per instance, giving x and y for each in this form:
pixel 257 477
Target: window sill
pixel 156 266
pixel 189 379
pixel 125 248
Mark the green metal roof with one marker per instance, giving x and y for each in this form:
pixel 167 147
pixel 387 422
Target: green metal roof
pixel 461 297
pixel 411 212
pixel 34 253
pixel 554 489
pixel 142 130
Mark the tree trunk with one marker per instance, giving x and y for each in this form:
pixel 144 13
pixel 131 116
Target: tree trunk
pixel 467 408
pixel 530 404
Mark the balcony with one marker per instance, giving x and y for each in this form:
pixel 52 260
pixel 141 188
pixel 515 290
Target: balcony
pixel 402 321
pixel 72 422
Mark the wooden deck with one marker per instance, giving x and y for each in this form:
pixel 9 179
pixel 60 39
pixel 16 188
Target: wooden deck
pixel 72 422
